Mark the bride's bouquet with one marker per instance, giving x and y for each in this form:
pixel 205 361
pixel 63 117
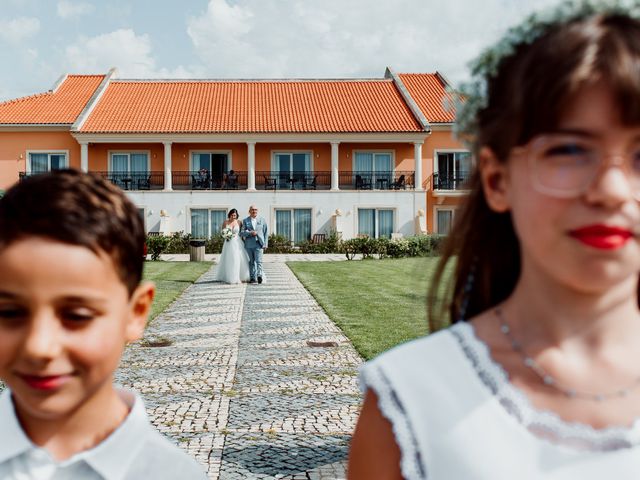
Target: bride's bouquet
pixel 227 233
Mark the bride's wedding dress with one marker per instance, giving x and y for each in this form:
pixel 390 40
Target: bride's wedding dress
pixel 233 266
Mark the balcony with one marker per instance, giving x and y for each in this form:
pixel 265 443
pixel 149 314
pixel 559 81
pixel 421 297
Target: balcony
pixel 302 180
pixel 193 180
pixel 264 180
pixel 457 182
pixel 135 180
pixel 377 180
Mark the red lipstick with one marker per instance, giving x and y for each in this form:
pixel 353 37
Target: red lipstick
pixel 603 237
pixel 44 382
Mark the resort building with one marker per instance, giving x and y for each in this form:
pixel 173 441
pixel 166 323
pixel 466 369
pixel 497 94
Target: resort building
pixel 369 157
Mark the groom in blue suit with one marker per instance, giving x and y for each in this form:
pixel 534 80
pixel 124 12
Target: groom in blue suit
pixel 255 235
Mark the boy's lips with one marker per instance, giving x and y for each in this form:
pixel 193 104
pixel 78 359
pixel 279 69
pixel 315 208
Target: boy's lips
pixel 603 237
pixel 44 382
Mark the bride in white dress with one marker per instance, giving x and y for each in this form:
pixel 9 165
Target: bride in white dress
pixel 233 266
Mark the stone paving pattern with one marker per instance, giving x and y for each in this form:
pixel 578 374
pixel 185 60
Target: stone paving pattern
pixel 240 388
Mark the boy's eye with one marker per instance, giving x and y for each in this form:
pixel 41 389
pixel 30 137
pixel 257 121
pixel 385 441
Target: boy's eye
pixel 78 315
pixel 11 314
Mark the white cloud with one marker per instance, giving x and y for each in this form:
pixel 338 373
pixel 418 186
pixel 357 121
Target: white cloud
pixel 320 38
pixel 130 53
pixel 69 9
pixel 19 29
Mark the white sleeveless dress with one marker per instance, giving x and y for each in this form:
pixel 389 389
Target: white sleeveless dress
pixel 233 266
pixel 455 415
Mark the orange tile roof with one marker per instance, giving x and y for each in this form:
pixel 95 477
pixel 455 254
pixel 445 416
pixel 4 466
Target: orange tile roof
pixel 251 106
pixel 62 106
pixel 429 92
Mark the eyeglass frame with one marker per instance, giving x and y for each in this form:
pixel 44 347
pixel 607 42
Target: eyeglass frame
pixel 618 160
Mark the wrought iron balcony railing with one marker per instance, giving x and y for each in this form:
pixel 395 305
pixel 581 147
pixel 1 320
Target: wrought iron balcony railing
pixel 381 180
pixel 135 180
pixel 268 180
pixel 449 181
pixel 196 180
pixel 305 180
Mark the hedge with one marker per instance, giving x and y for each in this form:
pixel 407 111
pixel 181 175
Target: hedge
pixel 416 246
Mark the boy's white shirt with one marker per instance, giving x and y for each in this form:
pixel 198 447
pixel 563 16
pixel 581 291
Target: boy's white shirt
pixel 110 459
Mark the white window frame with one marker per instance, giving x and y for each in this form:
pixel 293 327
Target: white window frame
pixel 128 153
pixel 376 208
pixel 438 151
pixel 274 163
pixel 291 208
pixel 228 153
pixel 448 208
pixel 208 208
pixel 49 152
pixel 374 151
pixel 144 216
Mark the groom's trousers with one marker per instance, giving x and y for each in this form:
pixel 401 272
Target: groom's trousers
pixel 255 263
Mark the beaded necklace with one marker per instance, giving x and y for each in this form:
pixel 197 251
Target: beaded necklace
pixel 549 380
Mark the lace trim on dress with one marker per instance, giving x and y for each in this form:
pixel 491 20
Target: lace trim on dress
pixel 544 424
pixel 391 407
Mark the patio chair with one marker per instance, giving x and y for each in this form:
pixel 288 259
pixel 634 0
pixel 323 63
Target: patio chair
pixel 362 183
pixel 318 238
pixel 231 181
pixel 144 183
pixel 398 184
pixel 309 185
pixel 269 183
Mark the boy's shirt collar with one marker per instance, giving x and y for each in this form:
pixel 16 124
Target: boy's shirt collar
pixel 111 458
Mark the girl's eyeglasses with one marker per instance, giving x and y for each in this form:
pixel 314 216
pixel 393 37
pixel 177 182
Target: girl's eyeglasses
pixel 564 166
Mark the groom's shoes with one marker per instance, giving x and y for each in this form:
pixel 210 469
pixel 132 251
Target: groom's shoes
pixel 253 280
pixel 259 279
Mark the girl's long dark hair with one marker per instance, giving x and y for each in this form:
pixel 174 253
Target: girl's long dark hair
pixel 231 212
pixel 526 97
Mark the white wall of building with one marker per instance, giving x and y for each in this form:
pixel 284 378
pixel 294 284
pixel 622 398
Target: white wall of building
pixel 330 210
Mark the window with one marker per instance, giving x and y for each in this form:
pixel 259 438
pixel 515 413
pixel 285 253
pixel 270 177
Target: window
pixel 294 224
pixel 129 163
pixel 206 222
pixel 453 169
pixel 375 223
pixel 290 167
pixel 44 162
pixel 373 170
pixel 444 219
pixel 129 170
pixel 217 164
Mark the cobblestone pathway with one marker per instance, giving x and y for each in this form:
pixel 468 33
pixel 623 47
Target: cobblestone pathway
pixel 251 386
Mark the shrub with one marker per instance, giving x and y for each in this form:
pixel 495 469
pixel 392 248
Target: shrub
pixel 399 248
pixel 214 244
pixel 279 244
pixel 157 245
pixel 178 242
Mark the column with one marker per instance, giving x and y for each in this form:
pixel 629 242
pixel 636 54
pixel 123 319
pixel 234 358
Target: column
pixel 167 166
pixel 335 175
pixel 84 156
pixel 417 155
pixel 251 166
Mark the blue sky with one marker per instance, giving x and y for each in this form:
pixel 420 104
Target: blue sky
pixel 42 39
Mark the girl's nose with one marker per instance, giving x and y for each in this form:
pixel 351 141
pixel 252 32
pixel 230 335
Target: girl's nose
pixel 610 187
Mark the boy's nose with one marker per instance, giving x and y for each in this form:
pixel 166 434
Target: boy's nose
pixel 42 342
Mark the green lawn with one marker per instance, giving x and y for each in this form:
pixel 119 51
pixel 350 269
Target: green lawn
pixel 171 278
pixel 377 303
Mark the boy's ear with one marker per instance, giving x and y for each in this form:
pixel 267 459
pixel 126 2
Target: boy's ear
pixel 495 179
pixel 140 307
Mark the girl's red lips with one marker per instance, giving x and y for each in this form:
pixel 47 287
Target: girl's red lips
pixel 604 237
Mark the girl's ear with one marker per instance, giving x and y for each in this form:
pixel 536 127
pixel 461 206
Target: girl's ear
pixel 495 180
